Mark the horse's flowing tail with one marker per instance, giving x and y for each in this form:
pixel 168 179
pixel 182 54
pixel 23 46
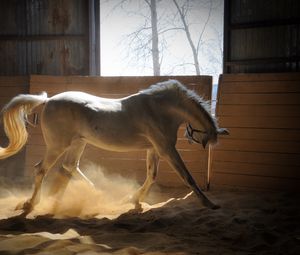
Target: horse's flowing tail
pixel 14 120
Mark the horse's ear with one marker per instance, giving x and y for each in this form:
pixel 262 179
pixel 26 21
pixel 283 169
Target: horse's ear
pixel 223 131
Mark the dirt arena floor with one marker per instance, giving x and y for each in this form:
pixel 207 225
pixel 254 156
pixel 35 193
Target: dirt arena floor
pixel 97 221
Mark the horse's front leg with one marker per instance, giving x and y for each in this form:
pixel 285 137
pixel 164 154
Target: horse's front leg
pixel 170 154
pixel 152 166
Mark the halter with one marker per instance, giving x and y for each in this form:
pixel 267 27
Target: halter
pixel 190 132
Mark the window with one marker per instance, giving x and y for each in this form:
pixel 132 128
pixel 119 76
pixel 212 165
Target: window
pixel 188 33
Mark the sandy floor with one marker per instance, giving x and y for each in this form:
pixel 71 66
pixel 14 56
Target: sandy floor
pixel 97 222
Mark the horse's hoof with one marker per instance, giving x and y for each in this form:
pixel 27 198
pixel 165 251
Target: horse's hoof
pixel 136 210
pixel 138 207
pixel 211 205
pixel 215 207
pixel 25 206
pixel 19 206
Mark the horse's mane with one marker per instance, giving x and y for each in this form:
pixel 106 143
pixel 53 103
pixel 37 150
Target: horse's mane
pixel 175 87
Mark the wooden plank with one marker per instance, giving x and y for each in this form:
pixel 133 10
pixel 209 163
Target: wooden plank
pixel 134 164
pixel 5 100
pixel 97 91
pixel 192 166
pixel 252 181
pixel 263 134
pixel 136 80
pixel 171 179
pixel 113 85
pixel 187 155
pixel 259 110
pixel 36 153
pixel 35 139
pixel 48 87
pixel 259 87
pixel 124 164
pixel 259 122
pixel 260 99
pixel 119 164
pixel 261 77
pixel 35 130
pixel 166 176
pixel 12 81
pixel 258 146
pixel 13 167
pixel 106 87
pixel 183 143
pixel 11 91
pixel 280 159
pixel 249 168
pixel 36 149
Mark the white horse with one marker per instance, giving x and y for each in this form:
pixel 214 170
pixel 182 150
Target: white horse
pixel 148 120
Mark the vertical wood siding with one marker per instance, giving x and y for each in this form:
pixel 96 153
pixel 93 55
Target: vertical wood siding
pixel 44 37
pixel 261 36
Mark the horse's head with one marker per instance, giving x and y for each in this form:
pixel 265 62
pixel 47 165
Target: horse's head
pixel 204 137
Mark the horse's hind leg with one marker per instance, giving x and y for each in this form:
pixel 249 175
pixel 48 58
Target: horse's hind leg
pixel 152 166
pixel 42 168
pixel 70 167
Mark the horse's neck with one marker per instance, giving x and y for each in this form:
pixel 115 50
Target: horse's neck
pixel 197 116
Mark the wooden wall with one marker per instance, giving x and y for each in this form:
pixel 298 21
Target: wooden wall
pixel 262 113
pixel 128 164
pixel 48 37
pixel 11 86
pixel 261 36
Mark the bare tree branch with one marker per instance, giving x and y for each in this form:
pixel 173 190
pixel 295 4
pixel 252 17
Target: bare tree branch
pixel 170 29
pixel 188 35
pixel 147 2
pixel 204 27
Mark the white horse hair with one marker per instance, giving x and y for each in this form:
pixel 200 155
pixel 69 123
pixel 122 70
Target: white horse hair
pixel 148 120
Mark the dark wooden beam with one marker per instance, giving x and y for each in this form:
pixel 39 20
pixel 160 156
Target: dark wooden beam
pixel 263 61
pixel 226 37
pixel 41 37
pixel 265 23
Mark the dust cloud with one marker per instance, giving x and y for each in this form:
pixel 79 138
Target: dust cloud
pixel 110 197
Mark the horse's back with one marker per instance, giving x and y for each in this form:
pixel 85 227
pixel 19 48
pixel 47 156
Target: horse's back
pixel 103 122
